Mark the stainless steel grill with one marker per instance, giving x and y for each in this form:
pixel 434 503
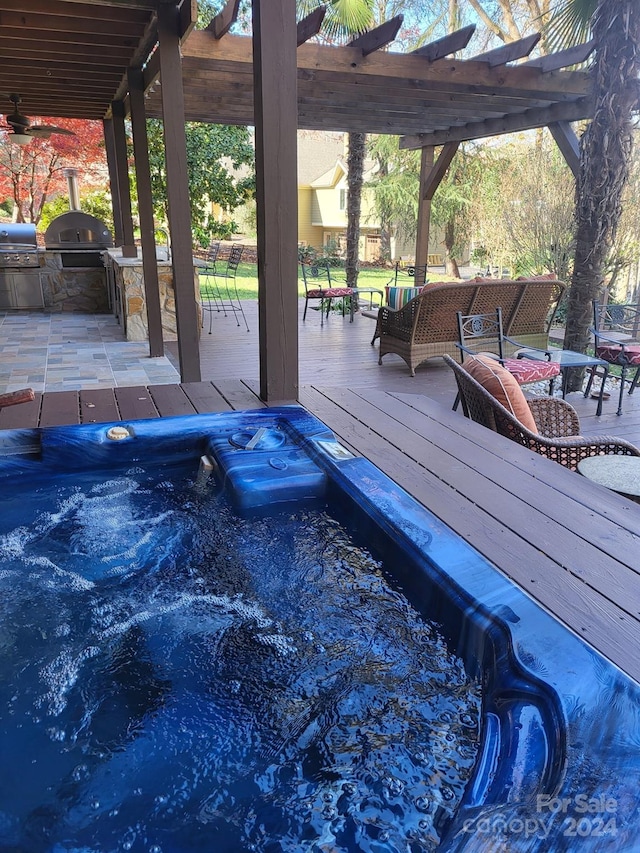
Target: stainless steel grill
pixel 18 246
pixel 20 283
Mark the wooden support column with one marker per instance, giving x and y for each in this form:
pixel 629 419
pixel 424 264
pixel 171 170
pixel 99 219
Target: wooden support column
pixel 276 118
pixel 110 149
pixel 424 216
pixel 145 211
pixel 129 249
pixel 187 314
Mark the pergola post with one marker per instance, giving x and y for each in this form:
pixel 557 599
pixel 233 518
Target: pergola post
pixel 276 117
pixel 110 149
pixel 129 249
pixel 187 314
pixel 424 216
pixel 145 211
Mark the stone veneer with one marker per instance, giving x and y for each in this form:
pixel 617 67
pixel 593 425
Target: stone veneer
pixel 128 281
pixel 81 289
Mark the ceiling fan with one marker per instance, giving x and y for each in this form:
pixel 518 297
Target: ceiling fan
pixel 22 131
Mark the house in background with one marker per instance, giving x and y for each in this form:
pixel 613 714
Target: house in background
pixel 322 199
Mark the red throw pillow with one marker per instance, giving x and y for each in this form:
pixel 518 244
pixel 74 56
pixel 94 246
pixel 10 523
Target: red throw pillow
pixel 503 386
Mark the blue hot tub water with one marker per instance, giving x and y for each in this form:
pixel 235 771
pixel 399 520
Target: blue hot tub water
pixel 225 633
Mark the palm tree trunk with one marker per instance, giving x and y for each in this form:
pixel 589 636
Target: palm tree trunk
pixel 605 154
pixel 355 164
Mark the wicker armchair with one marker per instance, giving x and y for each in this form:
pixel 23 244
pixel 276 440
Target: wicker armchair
pixel 558 437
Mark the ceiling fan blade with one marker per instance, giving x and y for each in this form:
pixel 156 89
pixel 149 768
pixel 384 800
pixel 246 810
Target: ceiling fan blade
pixel 43 131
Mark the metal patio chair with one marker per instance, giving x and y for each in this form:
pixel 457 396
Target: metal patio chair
pixel 616 330
pixel 318 287
pixel 221 289
pixel 483 333
pixel 557 425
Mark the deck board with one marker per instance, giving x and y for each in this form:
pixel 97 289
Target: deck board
pixel 135 403
pixel 98 406
pixel 205 397
pixel 59 408
pixel 171 400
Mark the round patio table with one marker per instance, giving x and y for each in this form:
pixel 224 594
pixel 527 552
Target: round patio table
pixel 619 473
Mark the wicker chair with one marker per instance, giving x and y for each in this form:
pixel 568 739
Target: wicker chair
pixel 558 437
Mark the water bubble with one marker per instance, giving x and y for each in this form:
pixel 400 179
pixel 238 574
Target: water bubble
pixel 447 792
pixel 424 825
pixel 155 848
pixel 445 717
pixel 327 797
pixel 349 788
pixel 95 804
pixel 80 772
pixel 420 756
pixel 329 812
pixel 161 799
pixel 396 787
pixel 467 720
pixel 383 836
pixel 423 804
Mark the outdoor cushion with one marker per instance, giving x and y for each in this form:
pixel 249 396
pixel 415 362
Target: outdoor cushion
pixel 397 297
pixel 527 371
pixel 329 293
pixel 611 353
pixel 501 385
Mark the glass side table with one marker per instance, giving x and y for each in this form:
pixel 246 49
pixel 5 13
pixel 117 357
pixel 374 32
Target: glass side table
pixel 567 359
pixel 619 473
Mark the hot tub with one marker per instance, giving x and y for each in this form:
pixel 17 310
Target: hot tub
pixel 225 632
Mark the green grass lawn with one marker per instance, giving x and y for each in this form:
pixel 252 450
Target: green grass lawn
pixel 247 280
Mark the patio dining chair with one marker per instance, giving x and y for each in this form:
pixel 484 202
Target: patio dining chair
pixel 616 330
pixel 221 292
pixel 484 334
pixel 491 396
pixel 318 287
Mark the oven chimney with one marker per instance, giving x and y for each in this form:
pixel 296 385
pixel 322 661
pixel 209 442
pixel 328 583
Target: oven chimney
pixel 72 184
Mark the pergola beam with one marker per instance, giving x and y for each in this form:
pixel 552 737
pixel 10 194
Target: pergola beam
pixel 568 143
pixel 447 45
pixel 509 52
pixel 439 169
pixel 310 26
pixel 225 19
pixel 563 59
pixel 509 124
pixel 379 37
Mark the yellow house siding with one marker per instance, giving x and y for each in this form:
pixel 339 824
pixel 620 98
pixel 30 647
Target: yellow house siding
pixel 307 232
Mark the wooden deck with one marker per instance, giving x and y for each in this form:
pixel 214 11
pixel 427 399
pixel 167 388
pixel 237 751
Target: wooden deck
pixel 570 544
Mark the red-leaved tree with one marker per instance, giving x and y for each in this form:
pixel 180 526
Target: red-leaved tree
pixel 31 174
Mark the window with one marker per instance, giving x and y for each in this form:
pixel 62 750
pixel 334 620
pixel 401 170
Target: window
pixel 343 199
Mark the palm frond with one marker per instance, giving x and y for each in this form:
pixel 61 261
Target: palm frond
pixel 569 23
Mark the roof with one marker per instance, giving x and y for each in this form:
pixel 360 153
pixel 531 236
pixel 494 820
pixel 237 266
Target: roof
pixel 317 152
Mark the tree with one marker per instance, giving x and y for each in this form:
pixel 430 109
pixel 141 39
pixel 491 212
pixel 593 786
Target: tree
pixel 220 161
pixel 31 174
pixel 605 154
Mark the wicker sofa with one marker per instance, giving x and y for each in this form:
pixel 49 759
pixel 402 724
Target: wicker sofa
pixel 426 326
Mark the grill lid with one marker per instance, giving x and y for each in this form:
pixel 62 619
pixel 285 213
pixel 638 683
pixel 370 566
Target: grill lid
pixel 17 236
pixel 77 230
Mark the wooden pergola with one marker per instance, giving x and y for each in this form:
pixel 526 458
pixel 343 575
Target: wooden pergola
pixel 108 59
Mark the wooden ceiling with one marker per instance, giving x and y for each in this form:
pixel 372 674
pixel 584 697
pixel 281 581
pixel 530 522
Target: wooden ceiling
pixel 68 58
